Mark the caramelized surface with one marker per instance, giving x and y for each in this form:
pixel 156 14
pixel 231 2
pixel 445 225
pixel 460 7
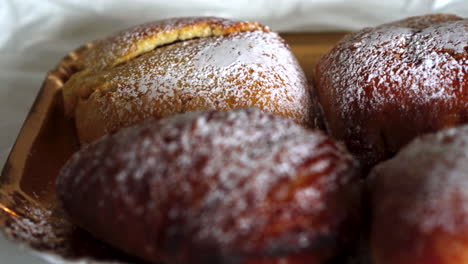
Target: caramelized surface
pixel 381 87
pixel 247 69
pixel 132 42
pixel 420 202
pixel 215 187
pixel 180 65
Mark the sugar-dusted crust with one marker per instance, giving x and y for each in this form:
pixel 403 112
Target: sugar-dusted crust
pixel 140 39
pixel 420 202
pixel 380 87
pixel 180 65
pixel 238 186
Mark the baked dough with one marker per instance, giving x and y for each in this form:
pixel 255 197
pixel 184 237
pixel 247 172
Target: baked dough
pixel 420 202
pixel 381 87
pixel 239 186
pixel 182 65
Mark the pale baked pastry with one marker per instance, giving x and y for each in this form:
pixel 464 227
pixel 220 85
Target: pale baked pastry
pixel 238 186
pixel 181 65
pixel 420 202
pixel 381 87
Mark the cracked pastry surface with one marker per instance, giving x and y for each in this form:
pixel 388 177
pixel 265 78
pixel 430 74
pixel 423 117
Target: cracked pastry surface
pixel 420 202
pixel 238 186
pixel 181 65
pixel 381 87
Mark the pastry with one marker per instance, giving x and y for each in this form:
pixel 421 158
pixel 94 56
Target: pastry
pixel 420 202
pixel 239 186
pixel 381 87
pixel 181 65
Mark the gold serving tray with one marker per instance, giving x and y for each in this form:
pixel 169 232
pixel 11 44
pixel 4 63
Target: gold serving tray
pixel 29 211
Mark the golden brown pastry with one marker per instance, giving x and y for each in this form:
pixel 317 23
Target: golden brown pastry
pixel 420 202
pixel 239 186
pixel 381 87
pixel 182 65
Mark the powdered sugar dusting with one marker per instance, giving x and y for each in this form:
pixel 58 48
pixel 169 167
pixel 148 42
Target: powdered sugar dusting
pixel 239 49
pixel 409 76
pixel 226 178
pixel 35 228
pixel 375 67
pixel 238 70
pixel 431 175
pixel 142 38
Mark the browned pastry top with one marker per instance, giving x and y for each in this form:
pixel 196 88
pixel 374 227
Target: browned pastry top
pixel 420 59
pixel 133 42
pixel 236 183
pixel 436 186
pixel 395 81
pixel 210 72
pixel 181 65
pixel 420 202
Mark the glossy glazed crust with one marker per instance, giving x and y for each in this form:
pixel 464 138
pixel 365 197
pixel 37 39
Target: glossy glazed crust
pixel 381 87
pixel 180 65
pixel 216 187
pixel 420 201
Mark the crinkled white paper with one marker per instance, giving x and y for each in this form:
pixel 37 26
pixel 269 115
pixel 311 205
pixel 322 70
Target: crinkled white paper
pixel 35 35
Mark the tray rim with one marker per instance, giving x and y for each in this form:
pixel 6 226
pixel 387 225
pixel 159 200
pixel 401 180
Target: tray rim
pixel 37 114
